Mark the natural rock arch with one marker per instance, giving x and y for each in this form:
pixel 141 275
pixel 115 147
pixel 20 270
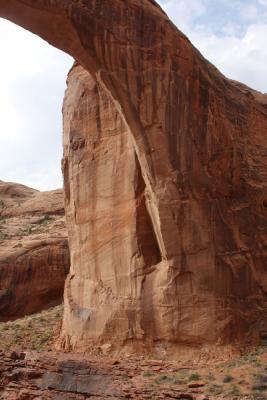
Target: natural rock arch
pixel 181 255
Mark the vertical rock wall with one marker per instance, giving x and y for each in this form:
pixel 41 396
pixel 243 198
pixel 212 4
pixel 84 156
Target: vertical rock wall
pixel 108 214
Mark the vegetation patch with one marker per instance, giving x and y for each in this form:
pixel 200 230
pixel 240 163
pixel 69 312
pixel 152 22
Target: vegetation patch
pixel 46 219
pixel 34 332
pixel 3 235
pixel 233 390
pixel 228 378
pixel 194 377
pixel 25 231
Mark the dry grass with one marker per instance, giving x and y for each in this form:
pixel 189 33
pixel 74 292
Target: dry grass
pixel 243 378
pixel 34 332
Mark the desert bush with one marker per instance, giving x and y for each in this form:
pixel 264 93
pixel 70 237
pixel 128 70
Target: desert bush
pixel 228 378
pixel 194 377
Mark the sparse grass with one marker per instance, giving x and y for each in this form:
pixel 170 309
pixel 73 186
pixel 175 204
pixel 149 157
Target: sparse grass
pixel 35 227
pixel 242 377
pixel 261 378
pixel 161 379
pixel 25 231
pixel 259 387
pixel 46 219
pixel 260 383
pixel 165 378
pixel 125 375
pixel 210 377
pixel 215 389
pixel 34 332
pixel 228 378
pixel 147 374
pixel 194 377
pixel 233 390
pixel 3 235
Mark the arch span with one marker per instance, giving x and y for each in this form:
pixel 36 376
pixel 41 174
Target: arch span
pixel 165 180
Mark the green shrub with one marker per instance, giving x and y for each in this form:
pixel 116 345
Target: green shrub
pixel 215 389
pixel 147 374
pixel 25 231
pixel 233 391
pixel 194 377
pixel 3 236
pixel 228 378
pixel 44 220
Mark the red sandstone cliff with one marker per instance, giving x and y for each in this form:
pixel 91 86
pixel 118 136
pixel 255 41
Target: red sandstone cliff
pixel 34 254
pixel 165 181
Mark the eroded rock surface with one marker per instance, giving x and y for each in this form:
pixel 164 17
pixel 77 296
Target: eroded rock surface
pixel 34 254
pixel 31 375
pixel 165 181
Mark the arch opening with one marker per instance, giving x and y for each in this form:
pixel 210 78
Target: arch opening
pixel 34 252
pixel 33 80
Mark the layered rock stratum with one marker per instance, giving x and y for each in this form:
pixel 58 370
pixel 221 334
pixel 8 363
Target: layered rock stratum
pixel 34 253
pixel 165 181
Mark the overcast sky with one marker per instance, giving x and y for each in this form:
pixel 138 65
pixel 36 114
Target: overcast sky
pixel 230 33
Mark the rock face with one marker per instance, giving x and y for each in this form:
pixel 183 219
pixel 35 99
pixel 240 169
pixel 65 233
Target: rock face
pixel 165 181
pixel 34 254
pixel 50 376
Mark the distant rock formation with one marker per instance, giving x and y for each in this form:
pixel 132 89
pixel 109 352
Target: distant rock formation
pixel 165 182
pixel 34 254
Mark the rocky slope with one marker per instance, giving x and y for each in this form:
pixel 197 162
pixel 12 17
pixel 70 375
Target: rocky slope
pixel 33 375
pixel 34 254
pixel 165 182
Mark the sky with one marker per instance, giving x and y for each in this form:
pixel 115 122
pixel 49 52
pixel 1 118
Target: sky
pixel 32 81
pixel 232 34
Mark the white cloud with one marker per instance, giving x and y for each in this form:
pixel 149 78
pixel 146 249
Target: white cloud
pixel 182 11
pixel 249 12
pixel 243 59
pixel 32 81
pixel 231 35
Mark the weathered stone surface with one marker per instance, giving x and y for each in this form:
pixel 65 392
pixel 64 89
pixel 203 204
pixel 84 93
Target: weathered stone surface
pixel 61 376
pixel 120 246
pixel 165 180
pixel 34 254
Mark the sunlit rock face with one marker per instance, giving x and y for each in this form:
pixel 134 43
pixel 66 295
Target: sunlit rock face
pixel 165 181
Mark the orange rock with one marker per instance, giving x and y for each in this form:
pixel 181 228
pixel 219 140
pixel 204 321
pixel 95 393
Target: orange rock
pixel 34 254
pixel 165 181
pixel 195 385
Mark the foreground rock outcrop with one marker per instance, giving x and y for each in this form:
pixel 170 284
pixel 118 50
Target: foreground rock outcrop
pixel 165 181
pixel 34 253
pixel 197 374
pixel 30 375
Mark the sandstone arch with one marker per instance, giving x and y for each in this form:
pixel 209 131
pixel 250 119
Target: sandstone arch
pixel 193 144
